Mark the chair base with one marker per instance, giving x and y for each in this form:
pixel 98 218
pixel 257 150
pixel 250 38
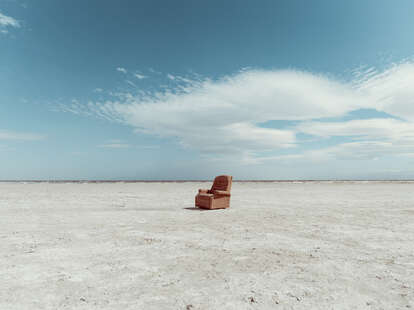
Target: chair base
pixel 209 203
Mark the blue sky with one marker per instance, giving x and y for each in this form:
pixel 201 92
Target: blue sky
pixel 191 89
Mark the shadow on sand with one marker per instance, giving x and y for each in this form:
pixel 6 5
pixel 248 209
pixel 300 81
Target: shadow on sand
pixel 196 209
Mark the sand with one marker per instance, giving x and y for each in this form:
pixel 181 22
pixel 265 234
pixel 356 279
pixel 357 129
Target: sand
pixel 321 245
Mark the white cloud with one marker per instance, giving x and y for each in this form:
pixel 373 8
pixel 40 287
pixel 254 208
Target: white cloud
pixel 360 150
pixel 121 144
pixel 98 90
pixel 120 69
pixel 139 76
pixel 8 21
pixel 223 116
pixel 390 91
pixel 22 136
pixel 357 150
pixel 115 146
pixel 373 129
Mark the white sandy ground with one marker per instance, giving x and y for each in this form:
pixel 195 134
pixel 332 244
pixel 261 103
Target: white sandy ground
pixel 142 246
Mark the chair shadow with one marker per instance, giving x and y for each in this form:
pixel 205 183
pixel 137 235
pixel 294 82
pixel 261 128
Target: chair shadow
pixel 196 209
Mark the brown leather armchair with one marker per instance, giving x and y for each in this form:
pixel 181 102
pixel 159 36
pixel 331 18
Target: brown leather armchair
pixel 218 197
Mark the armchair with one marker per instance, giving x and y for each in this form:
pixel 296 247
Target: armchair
pixel 218 197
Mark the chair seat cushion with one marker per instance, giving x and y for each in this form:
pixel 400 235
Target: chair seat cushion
pixel 205 195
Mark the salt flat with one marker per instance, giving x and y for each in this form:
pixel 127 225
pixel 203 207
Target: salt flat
pixel 326 245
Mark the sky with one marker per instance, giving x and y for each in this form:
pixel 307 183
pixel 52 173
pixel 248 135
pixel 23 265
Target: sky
pixel 187 89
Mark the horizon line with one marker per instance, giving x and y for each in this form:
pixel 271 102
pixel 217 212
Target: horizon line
pixel 196 180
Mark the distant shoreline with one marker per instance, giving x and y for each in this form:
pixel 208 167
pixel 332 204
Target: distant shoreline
pixel 194 181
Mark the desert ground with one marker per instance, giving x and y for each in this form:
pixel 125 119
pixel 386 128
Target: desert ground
pixel 297 245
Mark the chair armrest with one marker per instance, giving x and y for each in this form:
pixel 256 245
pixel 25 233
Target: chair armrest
pixel 221 193
pixel 203 191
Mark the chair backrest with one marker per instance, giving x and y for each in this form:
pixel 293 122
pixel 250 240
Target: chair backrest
pixel 222 183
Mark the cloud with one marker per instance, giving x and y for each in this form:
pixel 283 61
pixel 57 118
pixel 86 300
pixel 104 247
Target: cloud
pixel 365 150
pixel 373 129
pixel 8 21
pixel 98 90
pixel 130 83
pixel 390 91
pixel 224 116
pixel 356 150
pixel 120 69
pixel 115 144
pixel 121 144
pixel 139 76
pixel 370 138
pixel 11 135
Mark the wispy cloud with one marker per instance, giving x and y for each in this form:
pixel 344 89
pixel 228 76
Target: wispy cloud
pixel 22 136
pixel 365 150
pixel 223 116
pixel 7 22
pixel 373 129
pixel 230 109
pixel 130 83
pixel 391 90
pixel 115 144
pixel 120 69
pixel 121 144
pixel 139 76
